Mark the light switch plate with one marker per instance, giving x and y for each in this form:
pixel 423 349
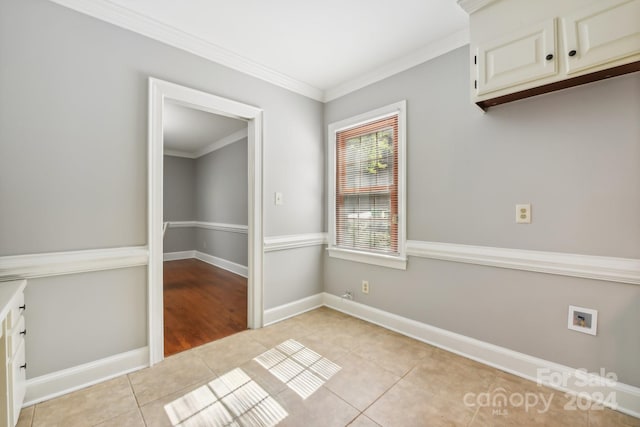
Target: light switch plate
pixel 278 199
pixel 523 214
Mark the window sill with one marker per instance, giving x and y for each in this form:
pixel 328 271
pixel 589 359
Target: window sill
pixel 397 262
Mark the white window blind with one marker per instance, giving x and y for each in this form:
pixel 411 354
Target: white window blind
pixel 367 186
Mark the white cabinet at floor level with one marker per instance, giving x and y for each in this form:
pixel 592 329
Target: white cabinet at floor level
pixel 18 381
pixel 522 48
pixel 13 367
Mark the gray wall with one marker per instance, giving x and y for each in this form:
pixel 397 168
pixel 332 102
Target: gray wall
pixel 574 154
pixel 211 188
pixel 222 185
pixel 78 318
pixel 179 202
pixel 179 185
pixel 73 163
pixel 222 197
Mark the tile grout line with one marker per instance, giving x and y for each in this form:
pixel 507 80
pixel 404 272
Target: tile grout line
pixel 33 415
pixel 144 421
pixel 477 411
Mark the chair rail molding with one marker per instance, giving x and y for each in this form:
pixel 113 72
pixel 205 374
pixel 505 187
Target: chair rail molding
pixel 612 269
pixel 293 241
pixel 218 226
pixel 58 263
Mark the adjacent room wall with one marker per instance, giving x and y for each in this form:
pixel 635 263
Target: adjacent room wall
pixel 574 155
pixel 73 166
pixel 179 202
pixel 210 189
pixel 222 197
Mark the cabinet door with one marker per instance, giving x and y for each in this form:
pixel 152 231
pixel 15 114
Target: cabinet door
pixel 606 31
pixel 521 57
pixel 17 384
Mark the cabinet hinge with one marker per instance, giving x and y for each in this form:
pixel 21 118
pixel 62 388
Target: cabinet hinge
pixel 475 84
pixel 475 59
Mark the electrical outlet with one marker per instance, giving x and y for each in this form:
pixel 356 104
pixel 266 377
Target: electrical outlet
pixel 523 214
pixel 365 287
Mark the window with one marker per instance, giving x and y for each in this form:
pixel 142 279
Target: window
pixel 366 186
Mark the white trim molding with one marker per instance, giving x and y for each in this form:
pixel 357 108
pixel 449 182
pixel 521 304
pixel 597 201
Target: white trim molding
pixel 399 263
pixel 426 53
pixel 293 241
pixel 285 311
pixel 52 385
pixel 126 18
pixel 176 256
pixel 471 6
pixel 233 267
pixel 218 226
pixel 623 270
pixel 178 153
pixel 58 263
pixel 532 368
pixel 159 92
pixel 222 142
pixel 216 145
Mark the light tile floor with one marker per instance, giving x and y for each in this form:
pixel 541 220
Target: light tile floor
pixel 385 379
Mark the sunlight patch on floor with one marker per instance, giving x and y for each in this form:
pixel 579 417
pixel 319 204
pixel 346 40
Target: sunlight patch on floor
pixel 301 369
pixel 233 399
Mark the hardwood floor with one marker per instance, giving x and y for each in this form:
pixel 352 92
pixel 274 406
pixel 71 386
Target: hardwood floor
pixel 202 303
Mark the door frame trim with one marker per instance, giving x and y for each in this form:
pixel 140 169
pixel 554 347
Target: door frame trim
pixel 159 91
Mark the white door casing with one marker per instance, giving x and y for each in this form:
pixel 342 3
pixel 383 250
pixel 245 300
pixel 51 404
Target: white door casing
pixel 159 91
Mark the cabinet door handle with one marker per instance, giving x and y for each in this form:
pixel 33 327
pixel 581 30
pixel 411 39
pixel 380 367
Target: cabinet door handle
pixel 572 53
pixel 23 307
pixel 549 57
pixel 23 366
pixel 23 332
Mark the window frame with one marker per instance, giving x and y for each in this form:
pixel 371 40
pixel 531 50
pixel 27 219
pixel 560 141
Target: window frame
pixel 399 260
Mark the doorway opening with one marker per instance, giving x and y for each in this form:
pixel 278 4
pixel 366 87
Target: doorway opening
pixel 205 174
pixel 165 97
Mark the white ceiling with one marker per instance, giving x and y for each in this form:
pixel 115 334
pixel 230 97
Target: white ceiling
pixel 188 132
pixel 321 48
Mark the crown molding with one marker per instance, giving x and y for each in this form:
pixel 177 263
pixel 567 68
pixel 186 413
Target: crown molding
pixel 179 153
pixel 471 6
pixel 125 18
pixel 138 23
pixel 222 142
pixel 430 51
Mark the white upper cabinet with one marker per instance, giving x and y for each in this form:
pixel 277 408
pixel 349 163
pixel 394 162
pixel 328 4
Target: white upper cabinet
pixel 522 48
pixel 520 57
pixel 601 33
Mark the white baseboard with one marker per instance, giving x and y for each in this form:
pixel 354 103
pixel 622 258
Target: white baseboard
pixel 238 269
pixel 285 311
pixel 175 256
pixel 522 365
pixel 52 385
